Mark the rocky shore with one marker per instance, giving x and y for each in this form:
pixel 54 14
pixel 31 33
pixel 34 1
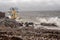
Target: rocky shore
pixel 11 30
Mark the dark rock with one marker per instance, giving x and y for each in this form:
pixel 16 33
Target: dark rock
pixel 48 24
pixel 20 24
pixel 29 23
pixel 16 38
pixel 2 14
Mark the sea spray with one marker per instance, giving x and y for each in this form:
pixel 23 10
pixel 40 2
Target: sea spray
pixel 55 20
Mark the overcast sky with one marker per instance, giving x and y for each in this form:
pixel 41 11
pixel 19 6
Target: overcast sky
pixel 31 5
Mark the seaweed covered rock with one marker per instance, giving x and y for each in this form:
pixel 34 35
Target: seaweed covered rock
pixel 9 23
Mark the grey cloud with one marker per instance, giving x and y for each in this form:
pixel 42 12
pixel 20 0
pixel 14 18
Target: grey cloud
pixel 32 5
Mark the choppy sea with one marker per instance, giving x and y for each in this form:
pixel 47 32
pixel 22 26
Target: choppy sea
pixel 41 16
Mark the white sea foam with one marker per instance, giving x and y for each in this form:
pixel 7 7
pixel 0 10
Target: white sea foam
pixel 55 20
pixel 39 20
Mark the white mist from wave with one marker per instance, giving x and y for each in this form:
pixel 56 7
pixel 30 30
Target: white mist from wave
pixel 55 20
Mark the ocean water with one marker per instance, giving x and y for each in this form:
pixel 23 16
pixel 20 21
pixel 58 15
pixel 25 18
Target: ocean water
pixel 42 16
pixel 34 14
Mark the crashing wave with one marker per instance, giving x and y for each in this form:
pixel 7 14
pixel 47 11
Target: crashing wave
pixel 55 20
